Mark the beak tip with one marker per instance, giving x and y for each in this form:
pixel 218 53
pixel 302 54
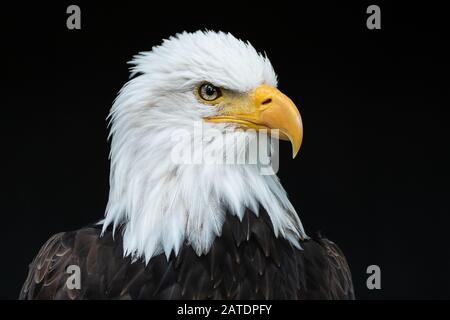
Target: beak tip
pixel 295 147
pixel 296 144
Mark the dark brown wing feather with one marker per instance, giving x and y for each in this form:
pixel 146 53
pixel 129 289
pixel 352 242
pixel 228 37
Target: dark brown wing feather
pixel 48 275
pixel 340 278
pixel 246 262
pixel 47 270
pixel 327 270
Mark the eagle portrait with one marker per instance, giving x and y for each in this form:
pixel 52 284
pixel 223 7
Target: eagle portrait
pixel 190 229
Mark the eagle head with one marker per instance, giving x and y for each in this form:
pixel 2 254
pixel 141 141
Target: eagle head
pixel 213 89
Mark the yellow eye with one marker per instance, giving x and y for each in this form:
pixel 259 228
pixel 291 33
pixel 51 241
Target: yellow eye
pixel 209 92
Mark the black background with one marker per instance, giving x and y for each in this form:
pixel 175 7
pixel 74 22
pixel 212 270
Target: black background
pixel 372 173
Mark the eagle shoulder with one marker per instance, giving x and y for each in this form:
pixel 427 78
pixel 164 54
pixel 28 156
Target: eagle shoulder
pixel 44 272
pixel 327 271
pixel 339 271
pixel 48 274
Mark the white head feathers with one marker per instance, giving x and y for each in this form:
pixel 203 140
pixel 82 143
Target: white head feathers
pixel 161 203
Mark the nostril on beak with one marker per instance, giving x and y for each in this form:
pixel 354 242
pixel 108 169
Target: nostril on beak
pixel 267 101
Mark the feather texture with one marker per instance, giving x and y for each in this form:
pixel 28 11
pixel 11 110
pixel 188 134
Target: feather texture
pixel 243 263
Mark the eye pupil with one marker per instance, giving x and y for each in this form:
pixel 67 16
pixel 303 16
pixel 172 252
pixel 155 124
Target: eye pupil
pixel 210 90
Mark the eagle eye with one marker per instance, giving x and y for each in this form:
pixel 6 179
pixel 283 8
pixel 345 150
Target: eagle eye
pixel 209 92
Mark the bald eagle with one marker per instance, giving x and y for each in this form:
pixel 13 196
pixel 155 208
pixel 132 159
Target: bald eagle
pixel 195 230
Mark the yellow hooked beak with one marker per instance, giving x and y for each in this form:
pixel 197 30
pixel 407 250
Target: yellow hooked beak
pixel 264 108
